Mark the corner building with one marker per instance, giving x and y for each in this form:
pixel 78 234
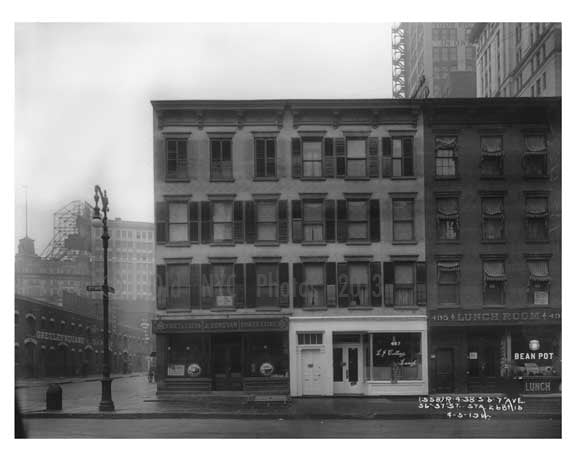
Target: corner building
pixel 290 247
pixel 493 244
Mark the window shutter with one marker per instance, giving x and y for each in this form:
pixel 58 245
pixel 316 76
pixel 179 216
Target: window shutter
pixel 183 158
pixel 238 222
pixel 329 162
pixel 260 158
pixel 343 285
pixel 161 287
pixel 388 283
pixel 284 285
pixel 195 274
pixel 250 221
pixel 296 157
pixel 239 286
pixel 340 145
pixel 342 226
pixel 376 283
pixel 408 156
pixel 297 230
pixel 297 279
pixel 206 296
pixel 206 216
pixel 375 220
pixel 373 157
pixel 421 283
pixel 386 157
pixel 331 285
pixel 194 222
pixel 161 218
pixel 330 220
pixel 250 285
pixel 283 221
pixel 271 158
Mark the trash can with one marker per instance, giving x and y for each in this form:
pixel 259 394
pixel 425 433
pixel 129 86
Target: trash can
pixel 54 397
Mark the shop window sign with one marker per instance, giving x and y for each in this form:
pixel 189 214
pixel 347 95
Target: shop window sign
pixel 396 357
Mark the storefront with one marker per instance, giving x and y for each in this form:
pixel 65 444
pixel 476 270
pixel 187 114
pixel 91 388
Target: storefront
pixel 371 355
pixel 232 354
pixel 492 351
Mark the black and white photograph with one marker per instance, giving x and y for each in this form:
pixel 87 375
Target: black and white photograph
pixel 287 229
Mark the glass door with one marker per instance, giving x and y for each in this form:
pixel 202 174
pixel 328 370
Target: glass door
pixel 346 369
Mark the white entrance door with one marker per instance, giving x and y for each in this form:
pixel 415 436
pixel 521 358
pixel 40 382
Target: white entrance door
pixel 347 361
pixel 311 372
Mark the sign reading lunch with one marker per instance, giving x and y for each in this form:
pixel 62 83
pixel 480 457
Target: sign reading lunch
pixel 491 317
pixel 215 325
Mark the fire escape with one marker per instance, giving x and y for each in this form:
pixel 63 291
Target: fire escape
pixel 398 62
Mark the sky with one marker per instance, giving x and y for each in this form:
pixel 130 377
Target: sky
pixel 83 92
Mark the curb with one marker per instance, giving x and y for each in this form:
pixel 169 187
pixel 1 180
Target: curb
pixel 23 385
pixel 180 415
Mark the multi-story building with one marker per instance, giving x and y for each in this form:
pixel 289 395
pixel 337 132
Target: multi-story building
pixel 130 260
pixel 493 244
pixel 515 59
pixel 438 60
pixel 290 246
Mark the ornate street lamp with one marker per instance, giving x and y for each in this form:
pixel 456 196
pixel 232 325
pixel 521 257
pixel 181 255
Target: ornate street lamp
pixel 106 404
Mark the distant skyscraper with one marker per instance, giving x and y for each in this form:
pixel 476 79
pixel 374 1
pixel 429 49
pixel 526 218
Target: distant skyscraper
pixel 518 59
pixel 438 59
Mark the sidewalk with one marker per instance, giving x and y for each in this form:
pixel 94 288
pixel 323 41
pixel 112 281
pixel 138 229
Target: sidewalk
pixel 44 382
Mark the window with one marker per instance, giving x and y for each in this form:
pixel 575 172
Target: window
pixel 220 159
pixel 404 284
pixel 265 157
pixel 309 338
pixel 448 218
pixel 544 81
pixel 492 159
pixel 535 157
pixel 493 218
pixel 313 285
pixel 223 284
pixel 403 217
pixel 176 159
pixel 494 282
pixel 539 289
pixel 178 281
pixel 222 221
pixel 313 221
pixel 312 158
pixel 536 218
pixel 359 284
pixel 357 219
pixel 356 157
pixel 178 222
pixel 538 88
pixel 446 159
pixel 402 157
pixel 448 282
pixel 267 288
pixel 395 356
pixel 267 226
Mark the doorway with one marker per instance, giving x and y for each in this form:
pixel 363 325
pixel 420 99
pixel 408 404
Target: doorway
pixel 227 362
pixel 311 366
pixel 346 362
pixel 444 378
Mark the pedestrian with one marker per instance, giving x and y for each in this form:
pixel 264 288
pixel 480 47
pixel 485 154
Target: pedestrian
pixel 152 367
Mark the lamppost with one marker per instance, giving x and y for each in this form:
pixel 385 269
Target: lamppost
pixel 106 404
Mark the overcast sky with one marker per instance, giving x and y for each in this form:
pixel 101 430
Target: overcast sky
pixel 83 92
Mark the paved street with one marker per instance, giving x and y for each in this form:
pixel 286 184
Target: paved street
pixel 235 428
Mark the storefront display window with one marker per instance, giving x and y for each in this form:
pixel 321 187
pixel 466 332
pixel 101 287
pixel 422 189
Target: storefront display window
pixel 187 356
pixel 395 357
pixel 267 355
pixel 535 353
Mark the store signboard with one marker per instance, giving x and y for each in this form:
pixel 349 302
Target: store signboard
pixel 454 317
pixel 220 325
pixel 175 370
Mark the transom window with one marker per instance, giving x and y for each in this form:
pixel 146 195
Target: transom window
pixel 313 285
pixel 178 222
pixel 266 216
pixel 265 157
pixel 446 158
pixel 356 157
pixel 313 221
pixel 221 159
pixel 312 158
pixel 357 219
pixel 448 218
pixel 222 221
pixel 309 338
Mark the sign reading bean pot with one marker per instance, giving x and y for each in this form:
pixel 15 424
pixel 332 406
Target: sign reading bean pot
pixel 266 369
pixel 194 370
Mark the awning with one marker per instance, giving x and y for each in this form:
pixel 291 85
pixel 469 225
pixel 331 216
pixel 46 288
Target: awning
pixel 537 206
pixel 539 271
pixel 492 206
pixel 494 271
pixel 447 206
pixel 30 316
pixel 445 142
pixel 491 145
pixel 449 266
pixel 535 143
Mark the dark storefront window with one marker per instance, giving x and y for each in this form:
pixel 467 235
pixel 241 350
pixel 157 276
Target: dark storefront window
pixel 267 355
pixel 396 356
pixel 187 356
